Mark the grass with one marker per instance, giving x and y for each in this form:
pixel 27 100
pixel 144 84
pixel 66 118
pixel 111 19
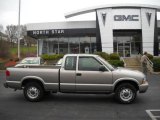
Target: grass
pixel 25 51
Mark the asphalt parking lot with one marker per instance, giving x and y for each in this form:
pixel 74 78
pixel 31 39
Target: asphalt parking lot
pixel 13 106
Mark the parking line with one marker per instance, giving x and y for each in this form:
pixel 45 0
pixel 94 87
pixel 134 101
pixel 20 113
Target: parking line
pixel 153 117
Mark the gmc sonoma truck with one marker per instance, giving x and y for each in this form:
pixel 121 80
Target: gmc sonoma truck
pixel 79 73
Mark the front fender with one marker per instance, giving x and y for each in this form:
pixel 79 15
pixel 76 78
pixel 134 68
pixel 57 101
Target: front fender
pixel 125 80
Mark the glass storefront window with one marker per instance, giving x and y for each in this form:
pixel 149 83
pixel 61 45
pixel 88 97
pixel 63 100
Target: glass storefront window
pixel 66 45
pixel 127 44
pixel 159 44
pixel 74 44
pixel 45 47
pixel 93 45
pixel 63 45
pixel 55 45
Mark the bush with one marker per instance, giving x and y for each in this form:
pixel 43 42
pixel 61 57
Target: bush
pixel 116 63
pixel 52 57
pixel 114 56
pixel 103 55
pixel 4 49
pixel 2 66
pixel 150 56
pixel 156 64
pixel 10 63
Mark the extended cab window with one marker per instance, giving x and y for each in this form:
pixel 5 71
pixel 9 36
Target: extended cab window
pixel 70 63
pixel 88 64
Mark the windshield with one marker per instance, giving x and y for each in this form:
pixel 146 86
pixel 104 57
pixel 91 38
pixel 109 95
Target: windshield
pixel 106 63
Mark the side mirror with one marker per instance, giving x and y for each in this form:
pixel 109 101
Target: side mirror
pixel 102 68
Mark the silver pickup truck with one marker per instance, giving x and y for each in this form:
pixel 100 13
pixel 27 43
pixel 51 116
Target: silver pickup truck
pixel 79 73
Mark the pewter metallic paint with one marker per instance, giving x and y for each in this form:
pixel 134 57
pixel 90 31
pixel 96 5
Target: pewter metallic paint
pixel 89 81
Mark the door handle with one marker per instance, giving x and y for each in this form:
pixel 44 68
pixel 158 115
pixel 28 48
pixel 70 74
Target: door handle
pixel 78 74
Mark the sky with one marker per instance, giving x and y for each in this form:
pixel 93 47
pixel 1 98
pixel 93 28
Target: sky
pixel 37 11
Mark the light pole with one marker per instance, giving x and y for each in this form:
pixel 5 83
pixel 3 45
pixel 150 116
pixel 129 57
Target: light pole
pixel 19 29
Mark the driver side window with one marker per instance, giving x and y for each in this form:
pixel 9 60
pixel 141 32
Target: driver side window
pixel 88 64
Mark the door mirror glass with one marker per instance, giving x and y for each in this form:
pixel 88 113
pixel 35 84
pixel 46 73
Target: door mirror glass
pixel 102 68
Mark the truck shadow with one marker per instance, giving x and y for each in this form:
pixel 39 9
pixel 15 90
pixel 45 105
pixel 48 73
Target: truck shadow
pixel 90 98
pixel 75 98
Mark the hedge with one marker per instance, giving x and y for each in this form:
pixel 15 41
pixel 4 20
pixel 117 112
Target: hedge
pixel 116 63
pixel 52 57
pixel 114 56
pixel 103 55
pixel 150 56
pixel 156 64
pixel 2 67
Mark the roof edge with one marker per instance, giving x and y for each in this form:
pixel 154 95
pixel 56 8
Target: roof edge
pixel 93 9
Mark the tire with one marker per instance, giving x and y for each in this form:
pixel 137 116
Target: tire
pixel 33 92
pixel 125 93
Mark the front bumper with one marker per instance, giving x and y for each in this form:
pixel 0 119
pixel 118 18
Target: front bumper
pixel 143 87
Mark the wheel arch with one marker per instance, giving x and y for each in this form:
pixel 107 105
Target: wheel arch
pixel 29 79
pixel 130 81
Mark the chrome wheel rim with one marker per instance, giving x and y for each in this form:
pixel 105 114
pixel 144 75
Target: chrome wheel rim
pixel 33 92
pixel 126 94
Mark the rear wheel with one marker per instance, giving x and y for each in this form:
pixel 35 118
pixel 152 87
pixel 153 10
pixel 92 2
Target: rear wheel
pixel 33 92
pixel 125 93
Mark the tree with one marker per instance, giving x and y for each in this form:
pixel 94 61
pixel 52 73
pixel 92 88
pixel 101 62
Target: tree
pixel 4 47
pixel 12 31
pixel 1 28
pixel 13 34
pixel 1 31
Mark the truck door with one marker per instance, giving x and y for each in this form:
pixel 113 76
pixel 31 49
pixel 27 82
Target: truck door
pixel 68 74
pixel 89 78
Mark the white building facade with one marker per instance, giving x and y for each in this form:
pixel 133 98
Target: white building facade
pixel 125 29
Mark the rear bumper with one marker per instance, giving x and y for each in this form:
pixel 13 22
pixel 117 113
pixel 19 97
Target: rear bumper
pixel 143 87
pixel 12 84
pixel 5 85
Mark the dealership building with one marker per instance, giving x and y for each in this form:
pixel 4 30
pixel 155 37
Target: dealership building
pixel 127 29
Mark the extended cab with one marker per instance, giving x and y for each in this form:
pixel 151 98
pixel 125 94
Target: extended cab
pixel 79 73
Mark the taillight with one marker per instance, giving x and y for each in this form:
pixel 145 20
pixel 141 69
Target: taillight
pixel 7 73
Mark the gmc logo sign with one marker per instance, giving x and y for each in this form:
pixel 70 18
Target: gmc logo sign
pixel 126 18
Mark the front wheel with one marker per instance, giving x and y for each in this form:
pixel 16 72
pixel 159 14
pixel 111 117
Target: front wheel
pixel 125 93
pixel 33 92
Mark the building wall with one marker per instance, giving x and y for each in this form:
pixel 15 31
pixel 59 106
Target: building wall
pixel 106 29
pixel 110 19
pixel 148 25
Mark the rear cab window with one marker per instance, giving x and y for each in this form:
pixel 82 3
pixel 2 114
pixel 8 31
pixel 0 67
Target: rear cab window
pixel 70 63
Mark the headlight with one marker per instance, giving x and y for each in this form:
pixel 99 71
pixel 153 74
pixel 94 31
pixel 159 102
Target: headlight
pixel 144 80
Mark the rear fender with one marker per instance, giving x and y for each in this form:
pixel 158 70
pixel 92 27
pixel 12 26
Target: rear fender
pixel 32 77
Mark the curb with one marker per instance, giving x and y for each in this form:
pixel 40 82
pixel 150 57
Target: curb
pixel 156 73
